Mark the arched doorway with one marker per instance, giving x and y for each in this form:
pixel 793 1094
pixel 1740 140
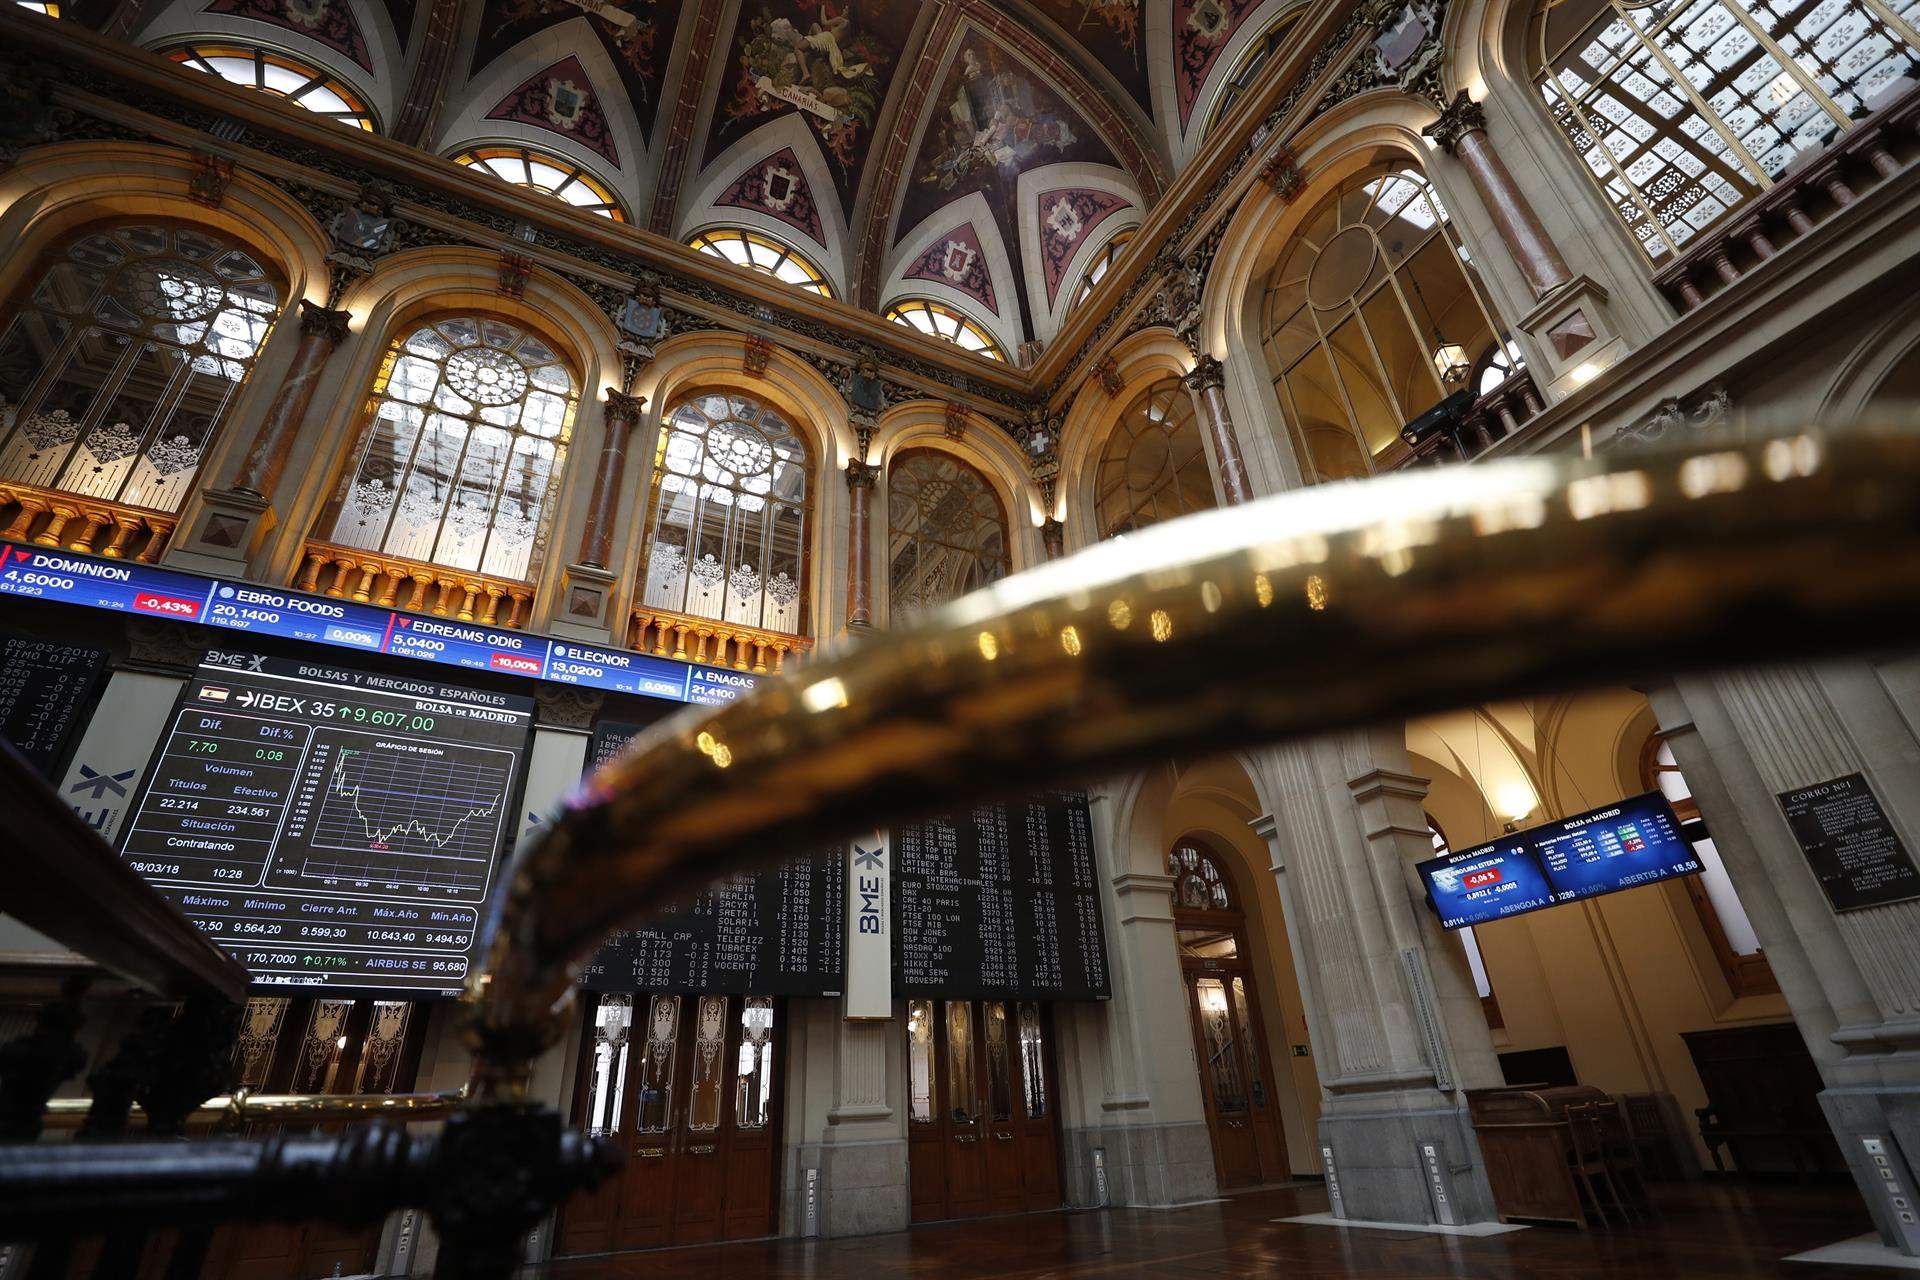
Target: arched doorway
pixel 1236 1080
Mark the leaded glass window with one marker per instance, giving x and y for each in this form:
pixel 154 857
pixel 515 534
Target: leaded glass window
pixel 1683 109
pixel 1372 301
pixel 119 367
pixel 547 173
pixel 941 321
pixel 946 531
pixel 753 1082
pixel 270 71
pixel 727 529
pixel 764 254
pixel 1154 466
pixel 460 458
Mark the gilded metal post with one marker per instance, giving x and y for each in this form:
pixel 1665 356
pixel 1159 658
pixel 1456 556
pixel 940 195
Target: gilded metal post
pixel 1337 605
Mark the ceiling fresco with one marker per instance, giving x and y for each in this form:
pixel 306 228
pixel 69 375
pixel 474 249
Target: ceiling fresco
pixel 778 187
pixel 1112 31
pixel 992 119
pixel 562 100
pixel 637 35
pixel 331 22
pixel 830 64
pixel 1201 31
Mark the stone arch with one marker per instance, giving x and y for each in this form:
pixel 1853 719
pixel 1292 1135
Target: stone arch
pixel 688 364
pixel 408 287
pixel 1889 351
pixel 1144 358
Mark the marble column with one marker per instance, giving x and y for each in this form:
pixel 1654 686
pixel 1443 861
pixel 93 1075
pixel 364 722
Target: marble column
pixel 1461 132
pixel 860 480
pixel 1207 382
pixel 1053 536
pixel 1396 1028
pixel 622 416
pixel 321 331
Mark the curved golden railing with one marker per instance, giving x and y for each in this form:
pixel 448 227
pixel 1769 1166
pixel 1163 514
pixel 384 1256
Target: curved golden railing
pixel 1329 607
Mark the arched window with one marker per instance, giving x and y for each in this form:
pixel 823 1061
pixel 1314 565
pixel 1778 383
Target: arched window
pixel 1154 467
pixel 1102 263
pixel 946 530
pixel 1482 981
pixel 546 173
pixel 48 7
pixel 942 321
pixel 1198 882
pixel 120 364
pixel 271 71
pixel 1725 921
pixel 460 458
pixel 1372 318
pixel 1683 109
pixel 1500 361
pixel 727 523
pixel 1252 62
pixel 763 254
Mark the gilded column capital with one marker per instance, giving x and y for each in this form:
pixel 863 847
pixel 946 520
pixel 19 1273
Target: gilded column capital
pixel 324 322
pixel 1462 117
pixel 861 475
pixel 622 407
pixel 1207 374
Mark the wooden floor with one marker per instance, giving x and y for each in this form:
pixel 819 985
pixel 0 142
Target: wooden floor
pixel 1715 1231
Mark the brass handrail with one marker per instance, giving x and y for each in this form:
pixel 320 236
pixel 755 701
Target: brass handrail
pixel 1334 606
pixel 242 1106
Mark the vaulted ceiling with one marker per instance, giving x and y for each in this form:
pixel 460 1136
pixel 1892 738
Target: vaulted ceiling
pixel 980 153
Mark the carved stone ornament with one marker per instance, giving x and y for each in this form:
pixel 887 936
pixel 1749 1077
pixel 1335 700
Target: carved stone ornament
pixel 865 392
pixel 1108 372
pixel 324 322
pixel 954 425
pixel 1207 374
pixel 622 407
pixel 758 355
pixel 642 321
pixel 212 175
pixel 565 707
pixel 1678 415
pixel 1462 117
pixel 515 269
pixel 1282 175
pixel 1178 303
pixel 360 232
pixel 861 475
pixel 28 115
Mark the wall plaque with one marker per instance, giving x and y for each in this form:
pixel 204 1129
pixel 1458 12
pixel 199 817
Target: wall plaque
pixel 1855 853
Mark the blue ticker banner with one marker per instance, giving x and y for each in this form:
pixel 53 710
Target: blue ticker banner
pixel 68 577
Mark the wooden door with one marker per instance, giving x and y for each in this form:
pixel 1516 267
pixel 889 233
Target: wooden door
pixel 1223 1082
pixel 981 1127
pixel 689 1093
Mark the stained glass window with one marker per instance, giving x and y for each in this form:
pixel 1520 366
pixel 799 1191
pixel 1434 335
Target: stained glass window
pixel 940 321
pixel 119 367
pixel 1154 466
pixel 946 532
pixel 1102 263
pixel 1683 109
pixel 1197 882
pixel 546 173
pixel 764 254
pixel 460 458
pixel 727 525
pixel 273 72
pixel 1363 316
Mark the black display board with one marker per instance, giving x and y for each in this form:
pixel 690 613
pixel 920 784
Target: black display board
pixel 1000 902
pixel 779 932
pixel 329 826
pixel 45 687
pixel 1855 853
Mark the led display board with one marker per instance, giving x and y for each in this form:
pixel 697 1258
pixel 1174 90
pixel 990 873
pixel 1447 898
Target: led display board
pixel 1618 846
pixel 333 827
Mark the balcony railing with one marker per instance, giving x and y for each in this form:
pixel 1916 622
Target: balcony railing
pixel 50 518
pixel 1490 419
pixel 1874 150
pixel 393 582
pixel 712 642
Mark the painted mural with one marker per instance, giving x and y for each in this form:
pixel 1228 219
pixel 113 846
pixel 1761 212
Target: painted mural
pixel 993 119
pixel 1068 220
pixel 331 22
pixel 778 188
pixel 1110 31
pixel 636 34
pixel 1201 30
pixel 957 261
pixel 829 63
pixel 562 100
